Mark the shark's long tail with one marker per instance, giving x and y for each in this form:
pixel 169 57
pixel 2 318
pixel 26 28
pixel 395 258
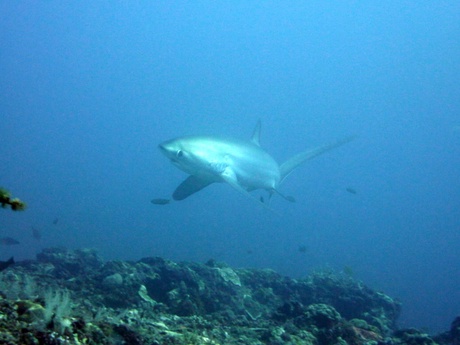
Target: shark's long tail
pixel 287 167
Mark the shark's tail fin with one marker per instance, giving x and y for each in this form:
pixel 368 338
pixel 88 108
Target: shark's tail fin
pixel 287 167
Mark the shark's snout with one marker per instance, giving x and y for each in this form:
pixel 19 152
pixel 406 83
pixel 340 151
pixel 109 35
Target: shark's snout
pixel 162 148
pixel 168 149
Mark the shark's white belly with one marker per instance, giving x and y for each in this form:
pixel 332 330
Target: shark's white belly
pixel 252 167
pixel 256 171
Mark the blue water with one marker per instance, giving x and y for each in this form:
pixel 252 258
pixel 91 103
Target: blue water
pixel 89 89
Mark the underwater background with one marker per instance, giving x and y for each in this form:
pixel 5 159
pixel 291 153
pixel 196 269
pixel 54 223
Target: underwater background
pixel 89 89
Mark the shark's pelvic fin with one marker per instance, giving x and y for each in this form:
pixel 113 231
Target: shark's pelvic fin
pixel 287 167
pixel 289 198
pixel 229 176
pixel 189 186
pixel 256 134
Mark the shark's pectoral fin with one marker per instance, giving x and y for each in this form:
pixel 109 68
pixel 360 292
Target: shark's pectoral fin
pixel 229 176
pixel 189 186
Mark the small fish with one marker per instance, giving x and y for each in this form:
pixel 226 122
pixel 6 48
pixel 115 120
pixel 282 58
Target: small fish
pixel 290 198
pixel 8 241
pixel 36 234
pixel 303 248
pixel 160 201
pixel 5 264
pixel 351 190
pixel 55 221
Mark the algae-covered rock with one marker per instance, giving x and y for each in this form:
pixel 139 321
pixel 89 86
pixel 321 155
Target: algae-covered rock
pixel 412 336
pixel 322 316
pixel 70 263
pixel 113 281
pixel 455 331
pixel 14 203
pixel 229 275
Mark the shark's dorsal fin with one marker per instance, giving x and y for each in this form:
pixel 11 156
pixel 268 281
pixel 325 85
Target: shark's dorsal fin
pixel 256 134
pixel 189 186
pixel 293 162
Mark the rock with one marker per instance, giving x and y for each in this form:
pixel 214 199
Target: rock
pixel 113 281
pixel 412 336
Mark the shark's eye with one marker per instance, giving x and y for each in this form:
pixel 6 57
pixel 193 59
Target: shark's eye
pixel 179 154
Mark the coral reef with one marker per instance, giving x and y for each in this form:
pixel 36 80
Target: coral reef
pixel 73 297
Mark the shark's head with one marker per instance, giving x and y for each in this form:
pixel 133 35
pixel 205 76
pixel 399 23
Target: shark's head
pixel 187 153
pixel 173 150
